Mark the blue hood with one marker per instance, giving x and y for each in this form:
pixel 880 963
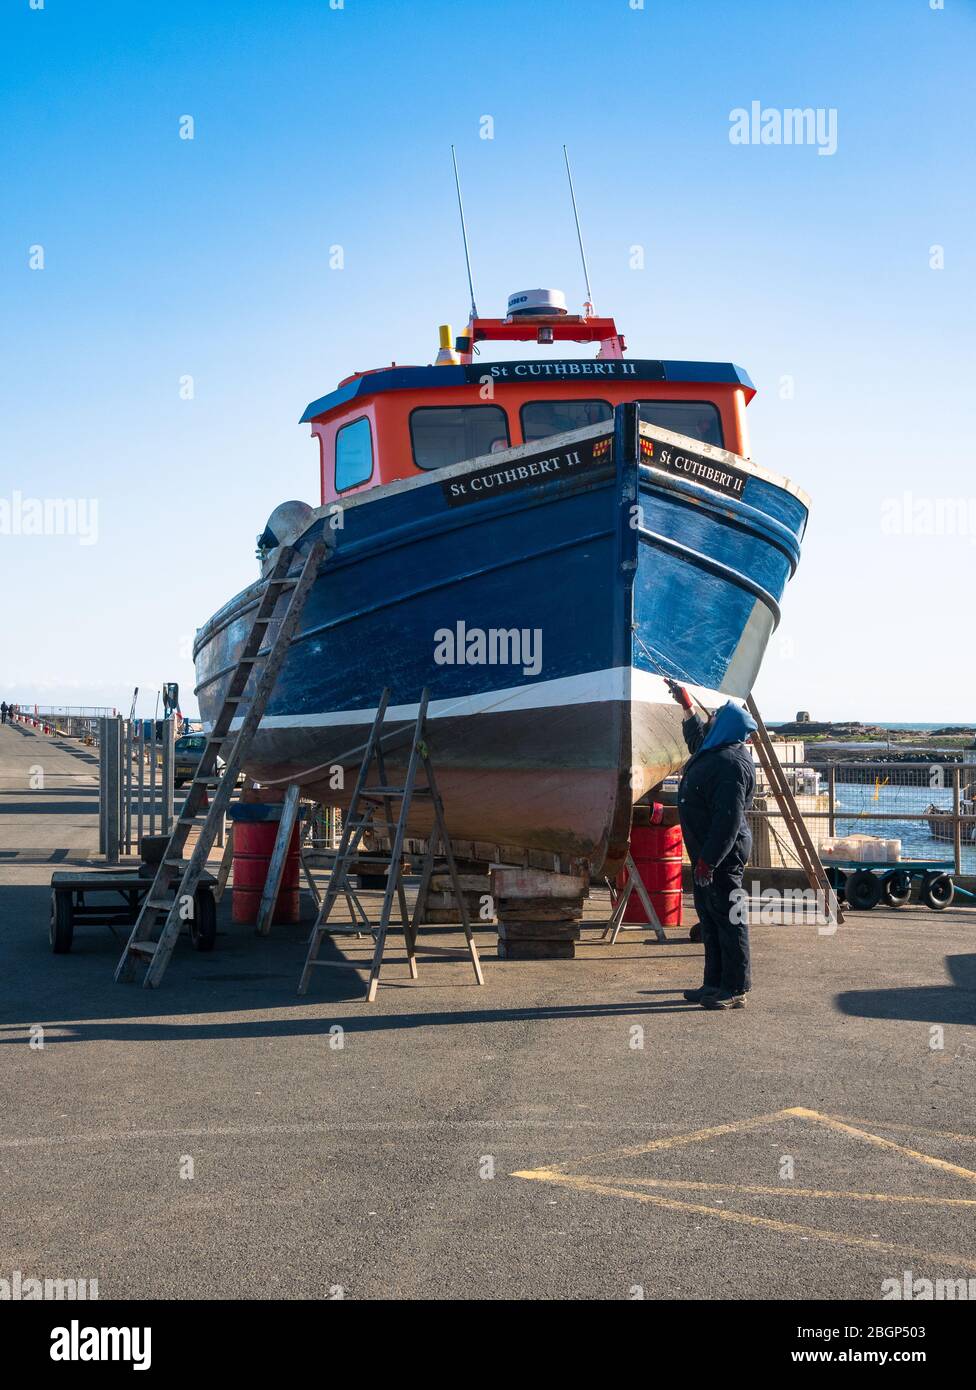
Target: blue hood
pixel 731 724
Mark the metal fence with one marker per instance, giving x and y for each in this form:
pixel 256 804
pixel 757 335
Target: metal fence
pixel 70 711
pixel 80 726
pixel 136 783
pixel 929 807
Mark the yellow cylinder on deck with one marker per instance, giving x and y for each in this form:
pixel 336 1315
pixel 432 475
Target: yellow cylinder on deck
pixel 446 357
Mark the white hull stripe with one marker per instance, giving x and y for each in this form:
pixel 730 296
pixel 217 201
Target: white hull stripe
pixel 620 683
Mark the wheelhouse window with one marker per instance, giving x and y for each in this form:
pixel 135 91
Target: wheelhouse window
pixel 353 454
pixel 697 419
pixel 542 418
pixel 446 434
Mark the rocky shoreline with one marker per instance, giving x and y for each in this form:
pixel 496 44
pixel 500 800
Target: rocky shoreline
pixel 851 740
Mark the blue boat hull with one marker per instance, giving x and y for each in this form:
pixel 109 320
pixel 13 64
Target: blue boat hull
pixel 541 596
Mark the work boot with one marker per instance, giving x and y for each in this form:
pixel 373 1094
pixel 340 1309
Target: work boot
pixel 696 996
pixel 724 1000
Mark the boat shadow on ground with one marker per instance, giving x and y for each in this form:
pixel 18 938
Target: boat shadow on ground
pixel 309 1027
pixel 953 1002
pixel 76 998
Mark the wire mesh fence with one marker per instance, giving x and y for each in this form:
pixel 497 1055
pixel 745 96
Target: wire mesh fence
pixel 920 810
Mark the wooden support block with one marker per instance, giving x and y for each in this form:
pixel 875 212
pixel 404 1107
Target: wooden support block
pixel 536 883
pixel 513 855
pixel 451 914
pixel 470 883
pixel 472 900
pixel 536 950
pixel 538 909
pixel 546 861
pixel 538 931
pixel 367 866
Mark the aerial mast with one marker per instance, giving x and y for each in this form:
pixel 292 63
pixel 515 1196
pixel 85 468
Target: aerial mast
pixel 464 234
pixel 588 306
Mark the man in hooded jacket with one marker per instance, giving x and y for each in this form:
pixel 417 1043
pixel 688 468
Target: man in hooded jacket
pixel 714 794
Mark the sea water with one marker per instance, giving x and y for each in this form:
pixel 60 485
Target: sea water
pixel 856 801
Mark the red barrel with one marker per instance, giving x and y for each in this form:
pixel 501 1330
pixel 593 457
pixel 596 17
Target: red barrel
pixel 656 851
pixel 253 844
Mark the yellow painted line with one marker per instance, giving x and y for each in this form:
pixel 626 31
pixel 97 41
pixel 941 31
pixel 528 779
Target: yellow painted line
pixel 656 1145
pixel 909 1129
pixel 784 1190
pixel 842 1128
pixel 791 1112
pixel 594 1185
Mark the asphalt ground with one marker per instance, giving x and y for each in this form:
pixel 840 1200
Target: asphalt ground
pixel 568 1130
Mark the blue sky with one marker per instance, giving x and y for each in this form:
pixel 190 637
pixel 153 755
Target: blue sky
pixel 166 258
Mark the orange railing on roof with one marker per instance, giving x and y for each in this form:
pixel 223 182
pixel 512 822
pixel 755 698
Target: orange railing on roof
pixel 543 328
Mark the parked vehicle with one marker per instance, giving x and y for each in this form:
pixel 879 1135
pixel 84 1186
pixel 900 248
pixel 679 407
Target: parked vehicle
pixel 188 750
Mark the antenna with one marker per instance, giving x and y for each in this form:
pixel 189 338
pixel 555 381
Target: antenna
pixel 579 234
pixel 464 234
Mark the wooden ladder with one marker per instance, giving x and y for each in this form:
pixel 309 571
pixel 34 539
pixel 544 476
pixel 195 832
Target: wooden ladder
pixel 806 851
pixel 176 875
pixel 366 802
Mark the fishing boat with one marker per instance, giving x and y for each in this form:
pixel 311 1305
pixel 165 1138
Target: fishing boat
pixel 540 542
pixel 942 821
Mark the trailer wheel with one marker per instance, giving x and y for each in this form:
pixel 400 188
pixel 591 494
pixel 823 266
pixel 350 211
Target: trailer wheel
pixel 62 928
pixel 862 890
pixel 837 881
pixel 938 891
pixel 897 888
pixel 203 923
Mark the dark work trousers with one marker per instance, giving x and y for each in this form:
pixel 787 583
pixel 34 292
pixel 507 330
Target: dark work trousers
pixel 725 931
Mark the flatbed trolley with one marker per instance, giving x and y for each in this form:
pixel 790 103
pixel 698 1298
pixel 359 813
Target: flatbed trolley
pixel 864 884
pixel 71 905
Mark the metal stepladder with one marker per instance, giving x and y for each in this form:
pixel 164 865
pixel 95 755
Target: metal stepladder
pixel 179 876
pixel 806 851
pixel 620 897
pixel 357 821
